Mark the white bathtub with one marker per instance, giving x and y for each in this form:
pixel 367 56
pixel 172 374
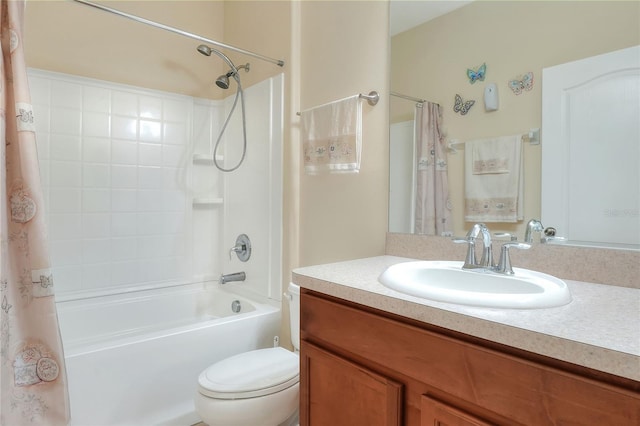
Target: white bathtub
pixel 134 359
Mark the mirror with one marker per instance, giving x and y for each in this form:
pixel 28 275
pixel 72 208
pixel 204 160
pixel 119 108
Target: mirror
pixel 430 61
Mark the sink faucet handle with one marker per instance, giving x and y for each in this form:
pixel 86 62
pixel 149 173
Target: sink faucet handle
pixel 470 260
pixel 504 264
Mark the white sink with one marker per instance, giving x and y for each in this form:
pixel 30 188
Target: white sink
pixel 446 281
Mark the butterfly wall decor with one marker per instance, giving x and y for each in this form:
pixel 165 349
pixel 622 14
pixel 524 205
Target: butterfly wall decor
pixel 461 106
pixel 475 75
pixel 520 84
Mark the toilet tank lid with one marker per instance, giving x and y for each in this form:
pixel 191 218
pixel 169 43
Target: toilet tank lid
pixel 249 372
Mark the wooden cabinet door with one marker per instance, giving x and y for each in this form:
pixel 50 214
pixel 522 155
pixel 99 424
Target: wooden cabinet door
pixel 334 391
pixel 436 413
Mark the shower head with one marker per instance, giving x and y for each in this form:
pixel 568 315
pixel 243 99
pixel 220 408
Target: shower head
pixel 223 81
pixel 205 50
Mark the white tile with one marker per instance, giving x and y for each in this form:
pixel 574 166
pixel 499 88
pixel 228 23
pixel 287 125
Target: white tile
pixel 124 249
pixel 174 268
pixel 151 270
pixel 96 150
pixel 40 88
pixel 124 200
pixel 96 124
pixel 150 247
pixel 150 107
pixel 124 272
pixel 173 177
pixel 96 225
pixel 96 275
pixel 67 95
pixel 124 152
pixel 124 127
pixel 65 120
pixel 149 177
pixel 65 174
pixel 42 118
pixel 124 103
pixel 96 99
pixel 175 223
pixel 67 278
pixel 176 134
pixel 96 200
pixel 173 155
pixel 96 176
pixel 150 154
pixel 124 177
pixel 96 250
pixel 150 223
pixel 43 145
pixel 124 224
pixel 174 201
pixel 65 200
pixel 150 131
pixel 66 252
pixel 175 245
pixel 150 201
pixel 44 167
pixel 65 147
pixel 176 111
pixel 65 226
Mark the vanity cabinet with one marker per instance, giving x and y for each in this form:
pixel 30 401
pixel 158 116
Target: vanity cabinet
pixel 361 366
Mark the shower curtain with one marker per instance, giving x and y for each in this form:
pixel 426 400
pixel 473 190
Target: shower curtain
pixel 433 207
pixel 33 383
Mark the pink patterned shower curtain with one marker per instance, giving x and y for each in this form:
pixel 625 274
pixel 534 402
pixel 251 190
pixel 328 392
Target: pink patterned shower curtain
pixel 33 382
pixel 433 206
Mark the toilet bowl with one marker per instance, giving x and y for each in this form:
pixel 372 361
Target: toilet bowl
pixel 259 387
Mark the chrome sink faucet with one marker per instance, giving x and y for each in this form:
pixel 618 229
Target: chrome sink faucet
pixel 533 225
pixel 486 262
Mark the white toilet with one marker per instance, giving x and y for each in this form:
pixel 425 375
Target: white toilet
pixel 259 387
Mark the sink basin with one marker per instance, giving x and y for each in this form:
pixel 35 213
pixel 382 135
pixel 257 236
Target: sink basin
pixel 446 281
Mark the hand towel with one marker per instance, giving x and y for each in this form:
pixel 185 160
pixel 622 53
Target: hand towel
pixel 332 137
pixel 494 180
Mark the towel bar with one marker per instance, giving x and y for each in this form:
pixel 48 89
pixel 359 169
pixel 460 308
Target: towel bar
pixel 372 99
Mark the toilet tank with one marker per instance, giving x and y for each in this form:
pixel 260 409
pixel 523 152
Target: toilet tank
pixel 293 295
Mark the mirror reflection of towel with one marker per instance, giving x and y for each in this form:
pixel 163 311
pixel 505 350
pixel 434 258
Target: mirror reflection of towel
pixel 494 180
pixel 332 137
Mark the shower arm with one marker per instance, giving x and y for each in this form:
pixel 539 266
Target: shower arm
pixel 278 62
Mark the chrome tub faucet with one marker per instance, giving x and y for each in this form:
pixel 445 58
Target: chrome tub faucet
pixel 236 276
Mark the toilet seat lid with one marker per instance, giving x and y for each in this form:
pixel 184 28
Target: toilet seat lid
pixel 250 374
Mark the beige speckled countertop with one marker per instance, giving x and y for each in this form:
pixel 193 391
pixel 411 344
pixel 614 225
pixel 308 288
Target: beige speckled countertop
pixel 599 329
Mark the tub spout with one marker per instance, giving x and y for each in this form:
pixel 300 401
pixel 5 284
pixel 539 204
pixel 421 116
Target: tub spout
pixel 236 276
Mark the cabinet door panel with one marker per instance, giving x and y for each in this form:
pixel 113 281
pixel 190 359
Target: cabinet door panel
pixel 436 413
pixel 335 392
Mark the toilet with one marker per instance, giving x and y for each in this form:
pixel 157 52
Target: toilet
pixel 259 387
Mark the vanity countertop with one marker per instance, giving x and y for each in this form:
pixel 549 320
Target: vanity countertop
pixel 599 329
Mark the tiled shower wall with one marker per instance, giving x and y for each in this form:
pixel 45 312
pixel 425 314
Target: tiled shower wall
pixel 119 183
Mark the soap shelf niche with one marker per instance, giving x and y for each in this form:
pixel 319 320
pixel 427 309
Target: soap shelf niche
pixel 204 202
pixel 206 159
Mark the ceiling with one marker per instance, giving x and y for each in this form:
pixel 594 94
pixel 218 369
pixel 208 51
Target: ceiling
pixel 406 14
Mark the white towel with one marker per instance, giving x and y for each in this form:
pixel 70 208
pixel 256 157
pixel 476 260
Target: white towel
pixel 332 137
pixel 494 180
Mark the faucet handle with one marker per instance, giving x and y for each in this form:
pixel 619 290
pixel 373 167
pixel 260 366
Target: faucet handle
pixel 504 264
pixel 470 260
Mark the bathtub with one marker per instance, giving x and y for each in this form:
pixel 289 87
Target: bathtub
pixel 134 359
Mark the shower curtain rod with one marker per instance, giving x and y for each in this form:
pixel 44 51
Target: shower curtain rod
pixel 278 62
pixel 410 98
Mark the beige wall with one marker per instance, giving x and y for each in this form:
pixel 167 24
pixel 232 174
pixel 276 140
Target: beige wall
pixel 343 51
pixel 512 37
pixel 89 42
